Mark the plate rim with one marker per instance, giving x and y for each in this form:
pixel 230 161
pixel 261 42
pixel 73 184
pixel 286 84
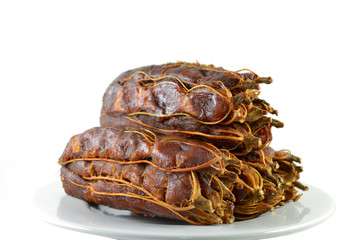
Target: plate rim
pixel 122 234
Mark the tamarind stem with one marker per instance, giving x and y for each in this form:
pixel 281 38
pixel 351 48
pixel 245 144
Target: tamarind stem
pixel 300 186
pixel 266 80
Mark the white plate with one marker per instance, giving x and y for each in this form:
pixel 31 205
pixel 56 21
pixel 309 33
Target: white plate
pixel 57 208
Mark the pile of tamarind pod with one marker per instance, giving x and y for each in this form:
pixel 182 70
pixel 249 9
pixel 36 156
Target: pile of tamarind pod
pixel 183 141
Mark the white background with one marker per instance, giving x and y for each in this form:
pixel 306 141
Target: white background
pixel 57 58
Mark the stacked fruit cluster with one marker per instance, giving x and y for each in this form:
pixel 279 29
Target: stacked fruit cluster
pixel 183 141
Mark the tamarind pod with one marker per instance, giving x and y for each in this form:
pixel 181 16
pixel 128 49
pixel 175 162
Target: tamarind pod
pixel 166 177
pixel 168 153
pixel 171 153
pixel 209 99
pixel 176 174
pixel 174 189
pixel 227 137
pixel 164 99
pixel 181 192
pixel 124 197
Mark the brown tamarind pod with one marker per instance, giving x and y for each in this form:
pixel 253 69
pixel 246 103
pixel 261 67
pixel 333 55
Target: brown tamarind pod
pixel 170 177
pixel 185 141
pixel 205 94
pixel 190 100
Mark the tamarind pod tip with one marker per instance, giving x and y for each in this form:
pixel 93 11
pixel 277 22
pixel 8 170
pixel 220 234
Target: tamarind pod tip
pixel 301 186
pixel 299 169
pixel 293 158
pixel 266 80
pixel 251 141
pixel 277 123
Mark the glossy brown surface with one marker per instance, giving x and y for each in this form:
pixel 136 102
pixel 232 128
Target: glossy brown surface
pixel 169 153
pixel 206 94
pixel 223 136
pixel 174 177
pixel 191 100
pixel 183 141
pixel 102 164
